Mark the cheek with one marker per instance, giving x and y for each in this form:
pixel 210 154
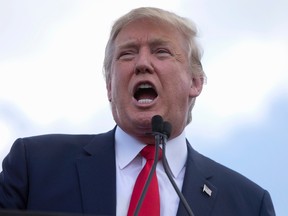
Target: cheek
pixel 119 84
pixel 179 91
pixel 114 87
pixel 179 82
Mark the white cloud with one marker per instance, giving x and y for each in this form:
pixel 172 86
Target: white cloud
pixel 242 80
pixel 242 75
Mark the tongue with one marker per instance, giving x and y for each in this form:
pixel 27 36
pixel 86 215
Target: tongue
pixel 146 94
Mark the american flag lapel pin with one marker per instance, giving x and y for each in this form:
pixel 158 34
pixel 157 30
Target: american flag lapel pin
pixel 207 190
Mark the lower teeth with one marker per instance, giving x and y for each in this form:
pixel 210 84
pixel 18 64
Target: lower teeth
pixel 145 101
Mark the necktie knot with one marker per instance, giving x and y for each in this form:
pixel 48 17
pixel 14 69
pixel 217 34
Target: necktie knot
pixel 148 152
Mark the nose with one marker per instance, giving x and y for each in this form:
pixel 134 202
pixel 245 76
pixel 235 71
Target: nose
pixel 143 62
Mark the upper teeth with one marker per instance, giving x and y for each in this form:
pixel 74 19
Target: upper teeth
pixel 145 86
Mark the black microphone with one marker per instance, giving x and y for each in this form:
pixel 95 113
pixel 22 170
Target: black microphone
pixel 157 123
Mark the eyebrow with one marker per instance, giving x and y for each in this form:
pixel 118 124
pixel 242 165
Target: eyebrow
pixel 134 43
pixel 159 41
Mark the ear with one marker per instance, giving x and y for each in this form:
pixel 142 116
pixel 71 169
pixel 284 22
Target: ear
pixel 196 86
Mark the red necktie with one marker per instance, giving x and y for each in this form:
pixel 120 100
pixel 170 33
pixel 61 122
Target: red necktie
pixel 151 203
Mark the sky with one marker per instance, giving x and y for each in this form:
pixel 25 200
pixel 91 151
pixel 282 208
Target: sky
pixel 51 55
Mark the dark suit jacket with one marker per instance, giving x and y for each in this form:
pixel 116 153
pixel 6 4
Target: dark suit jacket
pixel 76 173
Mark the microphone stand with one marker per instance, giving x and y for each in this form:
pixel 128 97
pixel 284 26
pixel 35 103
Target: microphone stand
pixel 161 131
pixel 169 175
pixel 149 178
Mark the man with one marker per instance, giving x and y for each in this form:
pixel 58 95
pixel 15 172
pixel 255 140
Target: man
pixel 152 67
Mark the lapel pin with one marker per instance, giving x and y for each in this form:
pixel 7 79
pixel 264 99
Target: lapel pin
pixel 207 190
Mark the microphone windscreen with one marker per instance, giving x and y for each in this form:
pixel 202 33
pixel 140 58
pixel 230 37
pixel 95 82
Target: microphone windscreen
pixel 157 123
pixel 167 128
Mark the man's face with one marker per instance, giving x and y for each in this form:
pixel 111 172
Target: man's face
pixel 150 76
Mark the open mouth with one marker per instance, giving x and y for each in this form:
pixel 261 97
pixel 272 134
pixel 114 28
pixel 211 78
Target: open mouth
pixel 145 93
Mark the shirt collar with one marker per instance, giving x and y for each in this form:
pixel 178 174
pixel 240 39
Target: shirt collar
pixel 127 148
pixel 176 153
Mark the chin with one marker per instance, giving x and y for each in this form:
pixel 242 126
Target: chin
pixel 144 119
pixel 143 123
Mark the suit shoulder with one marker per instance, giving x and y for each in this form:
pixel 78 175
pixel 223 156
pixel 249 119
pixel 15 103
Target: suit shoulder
pixel 58 139
pixel 53 143
pixel 54 147
pixel 234 189
pixel 221 174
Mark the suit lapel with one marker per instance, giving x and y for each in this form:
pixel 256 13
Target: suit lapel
pixel 97 176
pixel 198 191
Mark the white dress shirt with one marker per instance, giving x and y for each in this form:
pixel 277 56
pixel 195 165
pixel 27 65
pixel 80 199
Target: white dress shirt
pixel 129 165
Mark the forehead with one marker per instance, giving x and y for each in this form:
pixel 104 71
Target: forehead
pixel 143 30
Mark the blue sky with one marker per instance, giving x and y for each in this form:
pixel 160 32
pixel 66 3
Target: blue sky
pixel 51 56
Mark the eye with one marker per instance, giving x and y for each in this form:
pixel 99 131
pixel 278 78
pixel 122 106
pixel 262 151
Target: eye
pixel 126 55
pixel 162 52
